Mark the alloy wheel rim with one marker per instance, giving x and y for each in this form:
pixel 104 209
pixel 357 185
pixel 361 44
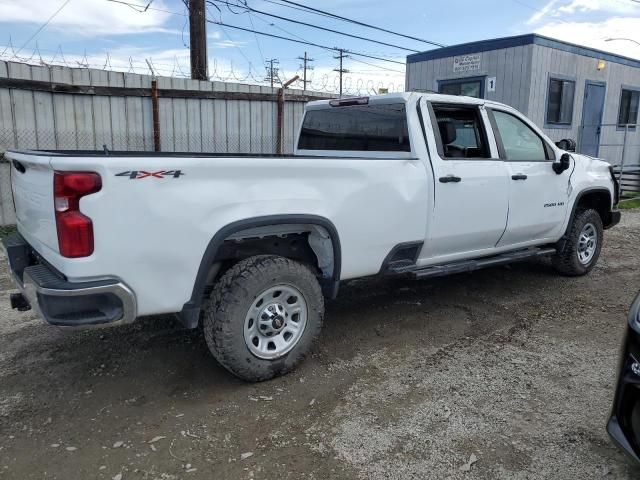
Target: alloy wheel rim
pixel 587 243
pixel 275 321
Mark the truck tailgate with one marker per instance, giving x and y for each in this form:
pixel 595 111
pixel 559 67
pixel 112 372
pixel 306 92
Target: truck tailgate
pixel 32 185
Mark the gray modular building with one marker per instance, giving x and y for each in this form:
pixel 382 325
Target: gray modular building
pixel 570 91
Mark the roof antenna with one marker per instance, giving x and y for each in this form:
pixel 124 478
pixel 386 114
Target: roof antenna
pixel 106 150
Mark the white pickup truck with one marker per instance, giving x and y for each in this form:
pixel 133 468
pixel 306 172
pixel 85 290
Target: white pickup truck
pixel 248 246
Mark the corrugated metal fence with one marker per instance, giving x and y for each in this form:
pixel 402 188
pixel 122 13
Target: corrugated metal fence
pixel 44 107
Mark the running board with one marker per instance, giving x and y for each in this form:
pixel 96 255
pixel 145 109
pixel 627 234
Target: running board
pixel 470 265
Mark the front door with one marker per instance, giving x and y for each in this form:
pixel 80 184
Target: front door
pixel 471 186
pixel 594 94
pixel 538 197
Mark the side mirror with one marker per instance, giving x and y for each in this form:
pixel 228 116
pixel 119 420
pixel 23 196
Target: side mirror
pixel 563 164
pixel 567 144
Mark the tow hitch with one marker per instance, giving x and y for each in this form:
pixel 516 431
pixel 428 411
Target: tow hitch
pixel 18 302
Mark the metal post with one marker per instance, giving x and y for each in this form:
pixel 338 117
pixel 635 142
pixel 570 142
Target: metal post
pixel 156 115
pixel 280 133
pixel 624 147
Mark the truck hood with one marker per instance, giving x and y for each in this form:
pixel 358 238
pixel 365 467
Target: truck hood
pixel 589 163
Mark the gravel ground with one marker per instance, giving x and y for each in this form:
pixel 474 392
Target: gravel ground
pixel 512 367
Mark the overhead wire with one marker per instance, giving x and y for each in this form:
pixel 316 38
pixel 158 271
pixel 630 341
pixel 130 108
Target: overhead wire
pixel 350 52
pixel 311 25
pixel 43 26
pixel 357 22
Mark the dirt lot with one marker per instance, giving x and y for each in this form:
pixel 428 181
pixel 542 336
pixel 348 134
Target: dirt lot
pixel 514 366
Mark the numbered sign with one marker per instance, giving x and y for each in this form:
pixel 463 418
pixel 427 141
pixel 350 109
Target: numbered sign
pixel 491 84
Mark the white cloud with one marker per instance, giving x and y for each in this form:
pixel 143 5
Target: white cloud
pixel 586 6
pixel 543 12
pixel 591 23
pixel 87 17
pixel 595 34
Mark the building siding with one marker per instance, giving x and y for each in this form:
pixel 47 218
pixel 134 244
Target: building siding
pixel 510 66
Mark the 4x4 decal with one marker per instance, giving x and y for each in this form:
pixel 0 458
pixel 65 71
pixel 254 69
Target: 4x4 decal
pixel 139 174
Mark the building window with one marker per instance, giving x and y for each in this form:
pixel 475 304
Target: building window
pixel 560 101
pixel 628 113
pixel 469 87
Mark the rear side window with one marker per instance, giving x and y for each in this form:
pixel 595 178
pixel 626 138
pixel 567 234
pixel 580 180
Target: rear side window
pixel 461 132
pixel 381 128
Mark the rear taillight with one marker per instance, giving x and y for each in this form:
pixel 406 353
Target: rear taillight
pixel 75 230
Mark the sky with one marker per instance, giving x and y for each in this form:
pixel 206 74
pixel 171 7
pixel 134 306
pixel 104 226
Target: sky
pixel 110 35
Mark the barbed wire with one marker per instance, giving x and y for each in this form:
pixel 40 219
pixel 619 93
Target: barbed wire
pixel 179 68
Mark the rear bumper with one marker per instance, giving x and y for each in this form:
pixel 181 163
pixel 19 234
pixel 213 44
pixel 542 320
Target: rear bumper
pixel 63 303
pixel 624 423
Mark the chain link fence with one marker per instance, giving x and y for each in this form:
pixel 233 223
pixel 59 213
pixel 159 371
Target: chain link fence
pixel 201 142
pixel 217 141
pixel 8 230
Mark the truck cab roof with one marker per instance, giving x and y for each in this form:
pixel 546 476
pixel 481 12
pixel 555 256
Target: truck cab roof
pixel 403 97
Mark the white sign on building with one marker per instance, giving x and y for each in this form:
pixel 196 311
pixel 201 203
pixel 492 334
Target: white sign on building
pixel 466 63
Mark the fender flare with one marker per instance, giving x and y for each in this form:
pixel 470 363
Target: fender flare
pixel 190 313
pixel 584 193
pixel 587 191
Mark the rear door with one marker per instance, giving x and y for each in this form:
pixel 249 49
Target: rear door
pixel 471 184
pixel 538 197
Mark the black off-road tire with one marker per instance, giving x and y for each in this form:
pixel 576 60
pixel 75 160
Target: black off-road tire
pixel 226 310
pixel 567 263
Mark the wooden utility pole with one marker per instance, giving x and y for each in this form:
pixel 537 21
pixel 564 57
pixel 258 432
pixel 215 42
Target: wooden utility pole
pixel 198 39
pixel 341 70
pixel 305 67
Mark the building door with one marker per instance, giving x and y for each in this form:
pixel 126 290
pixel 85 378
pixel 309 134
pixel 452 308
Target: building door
pixel 592 110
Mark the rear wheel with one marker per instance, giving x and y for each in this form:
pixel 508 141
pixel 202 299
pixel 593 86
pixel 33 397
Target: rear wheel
pixel 584 241
pixel 263 317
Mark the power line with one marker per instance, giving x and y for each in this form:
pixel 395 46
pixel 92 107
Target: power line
pixel 42 27
pixel 304 42
pixel 140 8
pixel 256 37
pixel 333 15
pixel 377 66
pixel 250 9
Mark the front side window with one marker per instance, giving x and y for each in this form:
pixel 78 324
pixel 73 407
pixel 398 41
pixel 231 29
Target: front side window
pixel 560 101
pixel 519 141
pixel 381 128
pixel 467 88
pixel 461 131
pixel 628 113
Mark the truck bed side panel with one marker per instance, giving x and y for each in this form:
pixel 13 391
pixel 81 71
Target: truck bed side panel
pixel 152 231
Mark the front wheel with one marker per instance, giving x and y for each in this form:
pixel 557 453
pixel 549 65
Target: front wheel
pixel 584 241
pixel 263 316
